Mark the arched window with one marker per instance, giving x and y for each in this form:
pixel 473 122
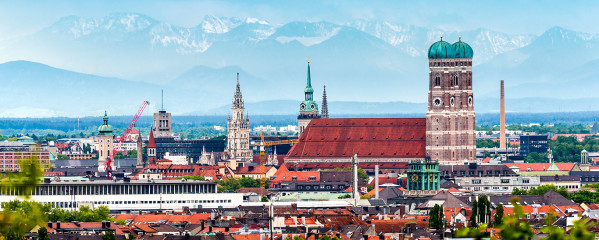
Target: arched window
pixel 437 81
pixel 455 80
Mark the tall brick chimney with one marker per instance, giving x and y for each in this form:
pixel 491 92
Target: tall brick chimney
pixel 502 119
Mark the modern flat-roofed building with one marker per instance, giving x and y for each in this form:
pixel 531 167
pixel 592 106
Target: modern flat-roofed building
pixel 496 178
pixel 128 194
pixel 9 161
pixel 533 143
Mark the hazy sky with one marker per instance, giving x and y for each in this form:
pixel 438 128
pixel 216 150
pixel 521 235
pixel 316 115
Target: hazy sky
pixel 512 16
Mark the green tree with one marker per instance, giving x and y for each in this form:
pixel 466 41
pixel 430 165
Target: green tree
pixel 42 233
pixel 264 199
pixel 498 215
pixel 194 177
pixel 436 217
pixel 472 232
pixel 553 232
pixel 473 220
pixel 540 190
pixel 580 230
pixel 108 235
pixel 344 196
pixel 132 154
pixel 19 218
pixel 484 209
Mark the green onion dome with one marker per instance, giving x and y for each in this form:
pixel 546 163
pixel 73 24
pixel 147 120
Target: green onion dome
pixel 441 49
pixel 462 50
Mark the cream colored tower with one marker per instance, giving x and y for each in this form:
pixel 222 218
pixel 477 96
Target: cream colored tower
pixel 105 144
pixel 238 130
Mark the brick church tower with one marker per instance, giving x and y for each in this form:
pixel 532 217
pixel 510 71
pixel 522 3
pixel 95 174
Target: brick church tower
pixel 450 119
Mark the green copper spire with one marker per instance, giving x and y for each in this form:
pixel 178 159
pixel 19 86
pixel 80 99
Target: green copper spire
pixel 309 91
pixel 308 105
pixel 105 129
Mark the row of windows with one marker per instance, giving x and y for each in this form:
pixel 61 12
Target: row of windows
pixel 478 173
pixel 119 189
pixel 454 82
pixel 450 64
pixel 76 205
pixel 504 181
pixel 316 187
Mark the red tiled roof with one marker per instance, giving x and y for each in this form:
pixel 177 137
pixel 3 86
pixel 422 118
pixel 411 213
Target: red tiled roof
pixel 363 165
pixel 284 175
pixel 170 218
pixel 368 137
pixel 384 180
pixel 251 169
pixel 540 167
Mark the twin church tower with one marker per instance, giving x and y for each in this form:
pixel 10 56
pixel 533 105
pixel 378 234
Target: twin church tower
pixel 450 118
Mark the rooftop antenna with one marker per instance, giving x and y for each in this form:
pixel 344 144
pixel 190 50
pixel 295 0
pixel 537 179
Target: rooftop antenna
pixel 162 100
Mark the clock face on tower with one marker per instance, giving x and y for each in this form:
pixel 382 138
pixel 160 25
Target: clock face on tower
pixel 437 101
pixel 312 106
pixel 302 106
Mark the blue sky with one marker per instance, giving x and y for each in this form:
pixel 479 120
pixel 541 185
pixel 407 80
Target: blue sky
pixel 512 16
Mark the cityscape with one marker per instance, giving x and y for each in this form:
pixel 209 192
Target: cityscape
pixel 211 120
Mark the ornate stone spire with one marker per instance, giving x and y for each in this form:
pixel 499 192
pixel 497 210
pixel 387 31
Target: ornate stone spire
pixel 238 99
pixel 325 107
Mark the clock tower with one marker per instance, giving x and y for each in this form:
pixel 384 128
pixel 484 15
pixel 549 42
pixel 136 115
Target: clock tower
pixel 450 119
pixel 308 108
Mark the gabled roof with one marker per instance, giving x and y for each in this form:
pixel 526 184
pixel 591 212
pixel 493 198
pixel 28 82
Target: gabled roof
pixel 444 198
pixel 390 138
pixel 252 169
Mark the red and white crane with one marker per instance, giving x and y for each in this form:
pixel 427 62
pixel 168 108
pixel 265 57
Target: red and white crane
pixel 108 164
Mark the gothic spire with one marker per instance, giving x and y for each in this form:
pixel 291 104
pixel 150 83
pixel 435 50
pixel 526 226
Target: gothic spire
pixel 325 107
pixel 238 99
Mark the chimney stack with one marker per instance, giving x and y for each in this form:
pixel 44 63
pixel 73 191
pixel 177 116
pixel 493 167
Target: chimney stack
pixel 502 119
pixel 376 181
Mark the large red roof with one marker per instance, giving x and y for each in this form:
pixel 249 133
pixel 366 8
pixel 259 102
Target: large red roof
pixel 379 138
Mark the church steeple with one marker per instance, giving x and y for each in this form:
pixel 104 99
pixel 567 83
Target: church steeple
pixel 308 105
pixel 325 107
pixel 308 91
pixel 308 108
pixel 238 99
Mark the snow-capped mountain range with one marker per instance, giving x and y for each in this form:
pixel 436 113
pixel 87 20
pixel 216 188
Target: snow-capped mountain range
pixel 360 61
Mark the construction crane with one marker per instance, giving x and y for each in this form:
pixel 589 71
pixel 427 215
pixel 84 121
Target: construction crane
pixel 273 143
pixel 262 162
pixel 108 164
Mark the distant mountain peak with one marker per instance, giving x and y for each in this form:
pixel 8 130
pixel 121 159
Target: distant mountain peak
pixel 212 24
pixel 255 20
